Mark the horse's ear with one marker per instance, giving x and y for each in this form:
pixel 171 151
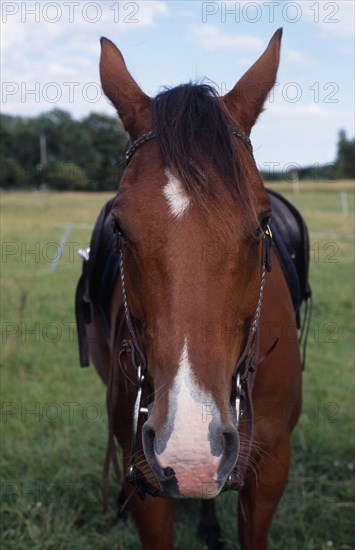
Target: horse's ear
pixel 245 101
pixel 132 104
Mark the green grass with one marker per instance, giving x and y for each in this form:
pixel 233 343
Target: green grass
pixel 54 423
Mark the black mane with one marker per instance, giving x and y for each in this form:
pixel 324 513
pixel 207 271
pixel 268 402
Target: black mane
pixel 194 137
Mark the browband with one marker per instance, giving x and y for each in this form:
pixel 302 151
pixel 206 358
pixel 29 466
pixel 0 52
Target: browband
pixel 151 135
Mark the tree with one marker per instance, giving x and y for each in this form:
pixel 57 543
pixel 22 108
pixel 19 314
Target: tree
pixel 110 140
pixel 345 163
pixel 12 175
pixel 25 143
pixel 89 153
pixel 6 123
pixel 65 176
pixel 69 141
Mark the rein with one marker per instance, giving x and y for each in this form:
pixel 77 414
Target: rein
pixel 245 366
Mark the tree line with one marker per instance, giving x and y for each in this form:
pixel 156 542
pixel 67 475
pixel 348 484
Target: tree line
pixel 55 151
pixel 342 168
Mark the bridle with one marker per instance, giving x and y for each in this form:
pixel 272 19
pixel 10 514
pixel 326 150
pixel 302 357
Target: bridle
pixel 244 371
pixel 151 135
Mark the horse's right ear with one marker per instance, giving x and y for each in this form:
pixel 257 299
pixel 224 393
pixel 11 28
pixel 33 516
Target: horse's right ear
pixel 133 105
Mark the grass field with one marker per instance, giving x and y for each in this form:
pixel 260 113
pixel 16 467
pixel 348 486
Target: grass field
pixel 53 413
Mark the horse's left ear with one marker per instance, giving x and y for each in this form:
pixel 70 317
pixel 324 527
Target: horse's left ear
pixel 246 100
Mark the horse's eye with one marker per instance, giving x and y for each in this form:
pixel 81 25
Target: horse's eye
pixel 265 222
pixel 260 230
pixel 117 230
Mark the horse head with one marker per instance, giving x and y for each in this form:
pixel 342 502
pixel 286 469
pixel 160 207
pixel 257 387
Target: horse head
pixel 192 215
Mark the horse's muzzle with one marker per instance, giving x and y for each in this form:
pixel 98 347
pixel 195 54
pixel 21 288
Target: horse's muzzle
pixel 192 476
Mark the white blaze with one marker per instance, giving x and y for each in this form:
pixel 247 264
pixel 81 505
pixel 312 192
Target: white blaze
pixel 175 195
pixel 188 450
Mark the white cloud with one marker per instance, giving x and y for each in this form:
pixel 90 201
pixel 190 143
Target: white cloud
pixel 57 44
pixel 299 133
pixel 211 38
pixel 336 17
pixel 311 110
pixel 297 57
pixel 149 10
pixel 332 17
pixel 169 42
pixel 37 33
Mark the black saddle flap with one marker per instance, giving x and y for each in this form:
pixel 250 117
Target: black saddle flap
pixel 293 231
pixel 97 280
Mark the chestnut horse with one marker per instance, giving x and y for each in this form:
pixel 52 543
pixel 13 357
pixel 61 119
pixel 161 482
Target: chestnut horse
pixel 202 394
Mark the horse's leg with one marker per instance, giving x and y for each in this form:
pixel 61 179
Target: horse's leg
pixel 99 350
pixel 154 518
pixel 260 495
pixel 209 528
pixel 277 403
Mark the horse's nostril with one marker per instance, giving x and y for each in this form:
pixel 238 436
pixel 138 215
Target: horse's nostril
pixel 149 434
pixel 165 476
pixel 231 442
pixel 168 472
pixel 148 442
pixel 230 452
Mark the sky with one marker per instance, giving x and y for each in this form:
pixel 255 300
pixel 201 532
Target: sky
pixel 50 59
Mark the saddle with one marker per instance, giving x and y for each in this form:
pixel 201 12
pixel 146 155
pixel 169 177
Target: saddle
pixel 101 267
pixel 95 285
pixel 291 240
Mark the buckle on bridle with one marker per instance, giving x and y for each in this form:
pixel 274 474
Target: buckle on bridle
pixel 268 232
pixel 237 399
pixel 137 409
pixel 267 244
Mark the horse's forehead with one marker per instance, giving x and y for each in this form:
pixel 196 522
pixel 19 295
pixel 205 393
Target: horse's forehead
pixel 150 202
pixel 176 196
pixel 160 211
pixel 154 198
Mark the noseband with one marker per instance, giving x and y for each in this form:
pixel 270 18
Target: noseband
pixel 244 370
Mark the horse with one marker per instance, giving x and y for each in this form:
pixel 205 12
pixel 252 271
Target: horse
pixel 189 319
